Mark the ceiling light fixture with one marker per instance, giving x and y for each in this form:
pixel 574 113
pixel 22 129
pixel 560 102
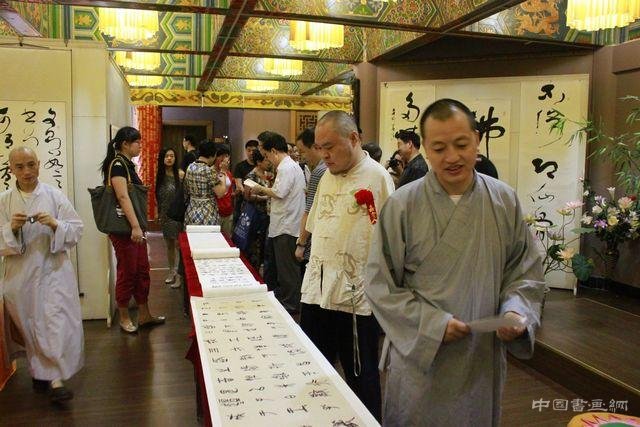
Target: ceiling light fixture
pixel 283 67
pixel 593 15
pixel 315 35
pixel 128 25
pixel 144 61
pixel 144 80
pixel 261 85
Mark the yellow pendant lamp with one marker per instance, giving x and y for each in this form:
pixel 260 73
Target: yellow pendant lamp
pixel 144 61
pixel 261 85
pixel 593 15
pixel 283 67
pixel 315 35
pixel 128 25
pixel 143 80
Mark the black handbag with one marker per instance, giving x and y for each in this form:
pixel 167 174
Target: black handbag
pixel 109 218
pixel 178 206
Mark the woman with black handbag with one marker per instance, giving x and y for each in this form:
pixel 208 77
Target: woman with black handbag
pixel 132 260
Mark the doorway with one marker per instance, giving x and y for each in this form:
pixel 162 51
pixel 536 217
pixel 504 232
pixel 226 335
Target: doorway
pixel 173 131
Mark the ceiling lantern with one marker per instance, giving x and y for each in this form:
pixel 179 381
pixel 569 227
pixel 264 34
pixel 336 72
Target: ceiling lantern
pixel 315 35
pixel 144 80
pixel 127 25
pixel 143 61
pixel 593 15
pixel 283 67
pixel 261 85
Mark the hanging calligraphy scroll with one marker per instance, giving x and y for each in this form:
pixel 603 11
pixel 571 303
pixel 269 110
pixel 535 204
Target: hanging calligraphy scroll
pixel 515 116
pixel 550 168
pixel 261 369
pixel 41 126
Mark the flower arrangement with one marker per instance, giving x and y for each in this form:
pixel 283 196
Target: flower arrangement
pixel 612 221
pixel 559 254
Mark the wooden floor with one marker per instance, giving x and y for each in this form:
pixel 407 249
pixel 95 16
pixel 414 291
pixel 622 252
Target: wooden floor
pixel 144 380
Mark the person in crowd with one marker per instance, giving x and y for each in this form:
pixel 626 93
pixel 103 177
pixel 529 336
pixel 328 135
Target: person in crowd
pixel 167 182
pixel 374 150
pixel 132 260
pixel 287 207
pixel 203 184
pixel 260 174
pixel 190 153
pixel 38 227
pixel 240 173
pixel 334 313
pixel 298 157
pixel 451 248
pixel 306 146
pixel 225 202
pixel 409 149
pixel 486 166
pixel 395 167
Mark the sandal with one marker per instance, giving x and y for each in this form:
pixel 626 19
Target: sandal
pixel 128 327
pixel 171 278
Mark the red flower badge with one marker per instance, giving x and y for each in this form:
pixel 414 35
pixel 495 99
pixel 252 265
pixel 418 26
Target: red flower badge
pixel 365 197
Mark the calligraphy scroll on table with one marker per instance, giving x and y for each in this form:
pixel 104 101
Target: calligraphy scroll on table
pixel 42 127
pixel 261 369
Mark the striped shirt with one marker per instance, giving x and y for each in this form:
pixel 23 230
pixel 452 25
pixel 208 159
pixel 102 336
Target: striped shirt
pixel 317 173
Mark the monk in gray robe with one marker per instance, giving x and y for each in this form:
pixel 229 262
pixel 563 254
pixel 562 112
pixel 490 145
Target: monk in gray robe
pixel 451 248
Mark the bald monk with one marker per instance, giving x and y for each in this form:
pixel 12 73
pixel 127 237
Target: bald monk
pixel 38 226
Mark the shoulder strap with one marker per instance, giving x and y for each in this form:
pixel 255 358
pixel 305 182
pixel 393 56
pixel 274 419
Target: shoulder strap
pixel 124 164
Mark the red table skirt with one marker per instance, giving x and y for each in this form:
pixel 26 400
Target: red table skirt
pixel 194 289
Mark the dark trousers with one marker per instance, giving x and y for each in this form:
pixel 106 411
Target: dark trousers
pixel 288 271
pixel 132 265
pixel 332 332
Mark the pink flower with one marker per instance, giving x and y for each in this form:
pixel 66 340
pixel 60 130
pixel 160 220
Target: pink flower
pixel 574 205
pixel 625 203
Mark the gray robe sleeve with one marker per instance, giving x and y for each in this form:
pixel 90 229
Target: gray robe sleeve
pixel 523 284
pixel 413 325
pixel 9 244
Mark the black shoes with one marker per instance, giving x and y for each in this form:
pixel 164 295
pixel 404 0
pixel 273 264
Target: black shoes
pixel 60 394
pixel 40 386
pixel 56 395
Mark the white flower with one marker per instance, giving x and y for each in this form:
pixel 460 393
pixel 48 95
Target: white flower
pixel 625 203
pixel 586 193
pixel 612 220
pixel 529 219
pixel 612 211
pixel 566 253
pixel 564 211
pixel 586 219
pixel 612 191
pixel 574 205
pixel 596 209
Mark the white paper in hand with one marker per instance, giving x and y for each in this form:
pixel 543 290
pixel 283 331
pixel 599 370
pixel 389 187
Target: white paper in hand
pixel 250 183
pixel 490 324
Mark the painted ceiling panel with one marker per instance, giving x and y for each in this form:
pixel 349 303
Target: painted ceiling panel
pixel 402 12
pixel 271 37
pixel 252 68
pixel 231 85
pixel 381 41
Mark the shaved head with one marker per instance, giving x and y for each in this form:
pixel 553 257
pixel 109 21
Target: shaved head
pixel 21 152
pixel 24 164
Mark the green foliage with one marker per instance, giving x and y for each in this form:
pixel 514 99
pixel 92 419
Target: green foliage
pixel 622 150
pixel 582 267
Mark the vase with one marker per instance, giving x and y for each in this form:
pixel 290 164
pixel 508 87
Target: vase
pixel 611 256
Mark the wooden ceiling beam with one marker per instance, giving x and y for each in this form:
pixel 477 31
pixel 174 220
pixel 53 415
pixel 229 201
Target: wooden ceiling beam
pixel 16 21
pixel 233 23
pixel 339 79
